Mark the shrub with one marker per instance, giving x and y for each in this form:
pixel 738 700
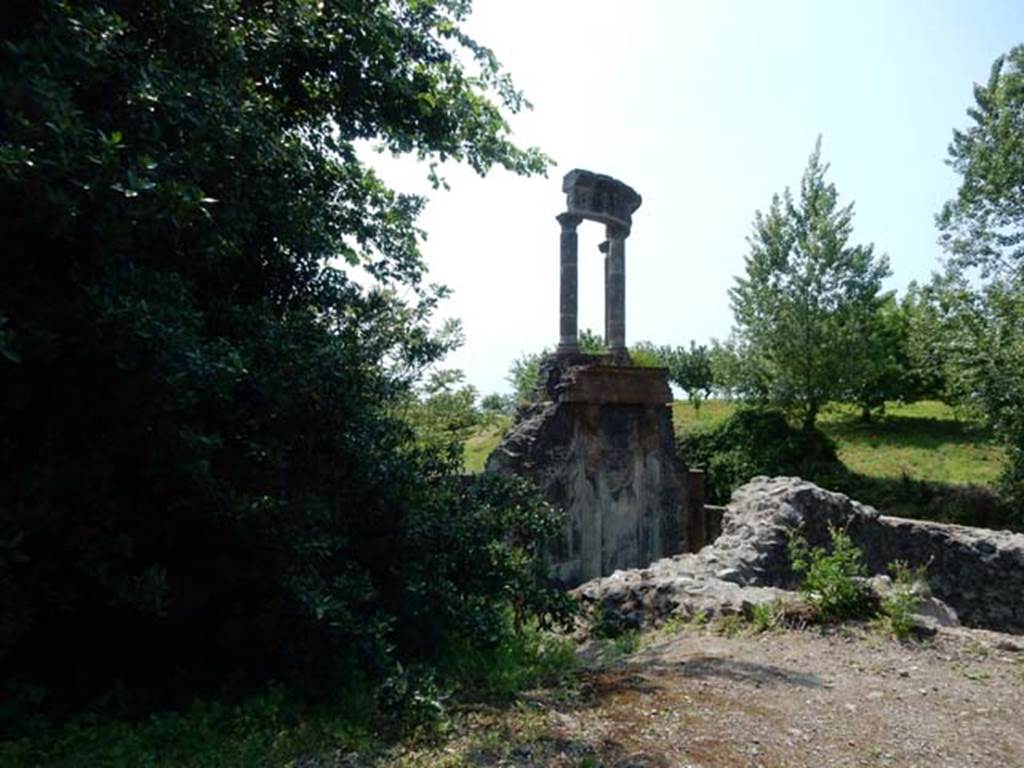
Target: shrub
pixel 832 581
pixel 203 480
pixel 755 442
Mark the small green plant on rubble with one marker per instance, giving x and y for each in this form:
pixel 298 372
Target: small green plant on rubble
pixel 831 579
pixel 897 609
pixel 729 624
pixel 765 617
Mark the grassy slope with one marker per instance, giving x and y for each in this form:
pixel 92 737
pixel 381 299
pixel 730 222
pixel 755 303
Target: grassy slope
pixel 479 447
pixel 920 441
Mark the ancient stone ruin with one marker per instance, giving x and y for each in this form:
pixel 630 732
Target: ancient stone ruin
pixel 597 438
pixel 607 201
pixel 975 575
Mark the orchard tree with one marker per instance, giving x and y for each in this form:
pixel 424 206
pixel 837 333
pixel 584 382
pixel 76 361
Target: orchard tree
pixel 926 348
pixel 800 309
pixel 442 411
pixel 982 293
pixel 199 452
pixel 733 374
pixel 691 371
pixel 881 339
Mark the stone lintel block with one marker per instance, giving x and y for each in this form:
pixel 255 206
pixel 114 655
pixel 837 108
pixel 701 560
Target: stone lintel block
pixel 600 198
pixel 616 384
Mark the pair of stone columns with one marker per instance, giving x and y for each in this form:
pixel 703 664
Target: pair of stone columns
pixel 614 250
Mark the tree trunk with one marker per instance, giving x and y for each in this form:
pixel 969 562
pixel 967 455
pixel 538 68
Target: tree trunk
pixel 810 417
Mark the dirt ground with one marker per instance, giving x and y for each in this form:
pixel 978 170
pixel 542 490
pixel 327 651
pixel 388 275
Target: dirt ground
pixel 809 698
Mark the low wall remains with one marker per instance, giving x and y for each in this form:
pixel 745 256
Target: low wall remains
pixel 978 572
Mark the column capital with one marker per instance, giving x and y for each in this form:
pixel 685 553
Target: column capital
pixel 616 232
pixel 569 221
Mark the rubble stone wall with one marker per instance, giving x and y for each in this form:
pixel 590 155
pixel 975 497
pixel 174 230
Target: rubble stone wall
pixel 978 572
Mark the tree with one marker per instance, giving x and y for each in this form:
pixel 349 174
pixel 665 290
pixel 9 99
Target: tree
pixel 983 226
pixel 524 373
pixel 497 405
pixel 690 370
pixel 926 364
pixel 199 447
pixel 881 332
pixel 980 298
pixel 733 376
pixel 799 311
pixel 443 410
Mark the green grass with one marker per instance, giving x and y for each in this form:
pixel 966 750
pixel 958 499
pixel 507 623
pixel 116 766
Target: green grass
pixel 270 729
pixel 710 414
pixel 925 441
pixel 480 445
pixel 921 441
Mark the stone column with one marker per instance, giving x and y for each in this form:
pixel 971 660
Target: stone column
pixel 568 340
pixel 603 248
pixel 615 291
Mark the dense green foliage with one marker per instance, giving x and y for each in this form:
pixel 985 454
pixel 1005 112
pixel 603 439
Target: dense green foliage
pixel 983 225
pixel 277 728
pixel 646 354
pixel 524 375
pixel 442 410
pixel 921 460
pixel 496 405
pixel 806 305
pixel 207 476
pixel 980 298
pixel 754 442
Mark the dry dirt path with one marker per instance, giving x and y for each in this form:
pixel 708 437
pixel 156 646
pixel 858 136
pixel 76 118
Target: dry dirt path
pixel 788 699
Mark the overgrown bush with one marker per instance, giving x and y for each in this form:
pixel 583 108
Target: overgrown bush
pixel 755 442
pixel 205 482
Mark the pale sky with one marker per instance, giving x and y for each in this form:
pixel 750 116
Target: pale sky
pixel 706 109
